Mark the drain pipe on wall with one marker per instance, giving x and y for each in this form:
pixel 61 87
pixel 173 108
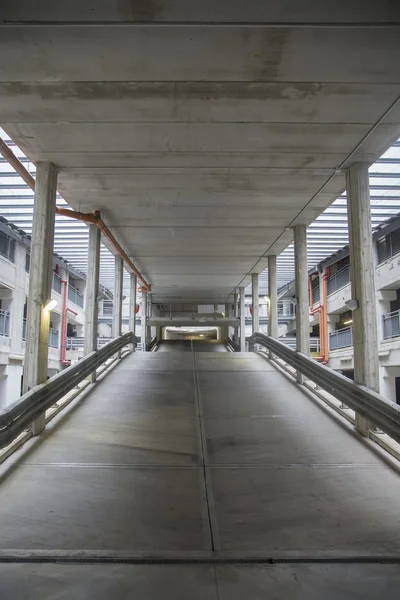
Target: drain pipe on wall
pixel 95 218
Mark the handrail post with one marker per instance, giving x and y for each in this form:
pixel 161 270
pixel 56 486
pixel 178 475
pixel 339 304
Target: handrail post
pixel 132 305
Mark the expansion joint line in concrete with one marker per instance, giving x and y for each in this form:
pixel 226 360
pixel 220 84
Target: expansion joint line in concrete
pixel 212 522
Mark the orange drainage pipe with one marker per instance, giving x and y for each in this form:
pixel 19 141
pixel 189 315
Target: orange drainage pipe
pixel 86 217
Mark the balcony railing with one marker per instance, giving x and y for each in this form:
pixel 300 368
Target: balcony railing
pixel 338 280
pixel 56 283
pixel 77 343
pixel 75 296
pixel 53 338
pixel 391 325
pixel 315 346
pixel 342 338
pixel 4 323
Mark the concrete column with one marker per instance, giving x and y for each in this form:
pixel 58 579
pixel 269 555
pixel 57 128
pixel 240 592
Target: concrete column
pixel 149 315
pixel 242 324
pixel 40 275
pixel 132 304
pixel 255 323
pixel 117 300
pixel 302 308
pixel 362 275
pixel 215 310
pixel 273 298
pixel 235 315
pixel 143 334
pixel 92 293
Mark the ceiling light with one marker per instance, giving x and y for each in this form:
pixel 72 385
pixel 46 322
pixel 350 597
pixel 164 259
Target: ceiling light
pixel 348 322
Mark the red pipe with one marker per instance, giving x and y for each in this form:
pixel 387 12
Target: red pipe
pixel 64 320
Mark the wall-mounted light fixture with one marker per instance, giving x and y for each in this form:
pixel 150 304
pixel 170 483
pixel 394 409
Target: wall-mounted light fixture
pixel 352 304
pixel 50 305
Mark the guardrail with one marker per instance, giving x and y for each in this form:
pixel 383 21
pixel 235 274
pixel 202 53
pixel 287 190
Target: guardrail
pixel 315 345
pixel 381 412
pixel 391 325
pixel 338 280
pixel 17 417
pixel 4 323
pixel 75 296
pixel 150 345
pixel 232 346
pixel 342 338
pixel 78 343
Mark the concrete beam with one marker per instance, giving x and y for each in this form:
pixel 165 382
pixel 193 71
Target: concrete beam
pixel 91 294
pixel 242 324
pixel 302 308
pixel 255 324
pixel 362 276
pixel 40 275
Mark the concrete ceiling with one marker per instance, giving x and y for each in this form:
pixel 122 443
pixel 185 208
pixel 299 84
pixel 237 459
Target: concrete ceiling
pixel 203 133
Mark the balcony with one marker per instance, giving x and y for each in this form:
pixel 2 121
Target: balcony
pixel 391 325
pixel 342 338
pixel 75 296
pixel 338 280
pixel 4 323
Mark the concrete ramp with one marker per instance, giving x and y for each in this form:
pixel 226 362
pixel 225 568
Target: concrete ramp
pixel 199 475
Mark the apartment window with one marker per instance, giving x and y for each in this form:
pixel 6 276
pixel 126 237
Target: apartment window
pixel 389 246
pixel 27 262
pixel 7 246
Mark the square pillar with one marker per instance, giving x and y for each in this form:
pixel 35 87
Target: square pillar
pixel 273 299
pixel 92 293
pixel 242 322
pixel 117 300
pixel 255 323
pixel 40 276
pixel 362 276
pixel 132 305
pixel 235 316
pixel 302 308
pixel 143 334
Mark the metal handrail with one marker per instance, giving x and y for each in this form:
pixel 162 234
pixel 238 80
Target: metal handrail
pixel 381 412
pixel 150 345
pixel 232 346
pixel 15 418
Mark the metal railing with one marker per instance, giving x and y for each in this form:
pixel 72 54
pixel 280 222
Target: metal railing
pixel 56 283
pixel 389 246
pixel 78 343
pixel 75 296
pixel 4 323
pixel 338 280
pixel 17 417
pixel 380 412
pixel 315 345
pixel 391 325
pixel 342 338
pixel 53 338
pixel 151 345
